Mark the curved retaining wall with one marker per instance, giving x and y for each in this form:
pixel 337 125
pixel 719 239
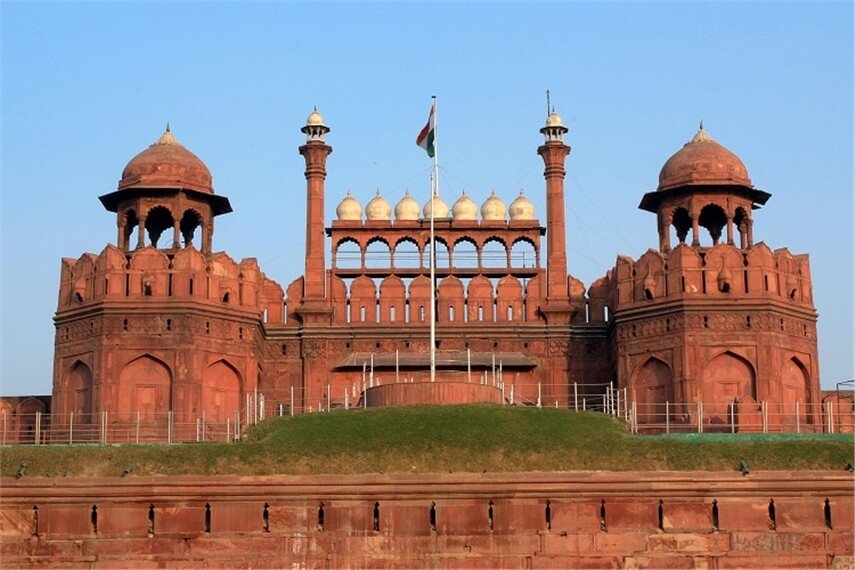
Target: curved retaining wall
pixel 440 392
pixel 522 520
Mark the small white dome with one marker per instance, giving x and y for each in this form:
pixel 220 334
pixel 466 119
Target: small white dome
pixel 554 120
pixel 378 208
pixel 465 208
pixel 440 211
pixel 315 119
pixel 349 209
pixel 407 208
pixel 493 208
pixel 521 208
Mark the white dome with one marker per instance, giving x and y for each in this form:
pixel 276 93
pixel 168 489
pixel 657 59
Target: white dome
pixel 464 208
pixel 521 208
pixel 378 208
pixel 493 208
pixel 349 209
pixel 441 211
pixel 407 208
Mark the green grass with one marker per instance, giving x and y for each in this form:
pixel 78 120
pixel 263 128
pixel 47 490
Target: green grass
pixel 424 439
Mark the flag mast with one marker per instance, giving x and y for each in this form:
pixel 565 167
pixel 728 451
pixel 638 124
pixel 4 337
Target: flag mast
pixel 434 194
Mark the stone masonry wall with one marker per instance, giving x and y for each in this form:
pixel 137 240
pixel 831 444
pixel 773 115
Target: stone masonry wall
pixel 516 520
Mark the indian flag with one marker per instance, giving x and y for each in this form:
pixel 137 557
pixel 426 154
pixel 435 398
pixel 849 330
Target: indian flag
pixel 427 136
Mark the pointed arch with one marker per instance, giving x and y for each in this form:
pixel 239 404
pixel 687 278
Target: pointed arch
pixel 727 376
pixel 145 386
pixel 221 389
pixel 795 383
pixel 653 386
pixel 78 391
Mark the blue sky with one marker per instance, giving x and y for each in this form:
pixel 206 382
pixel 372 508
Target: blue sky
pixel 87 86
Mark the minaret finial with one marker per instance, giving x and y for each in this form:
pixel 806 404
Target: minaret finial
pixel 548 104
pixel 701 127
pixel 167 126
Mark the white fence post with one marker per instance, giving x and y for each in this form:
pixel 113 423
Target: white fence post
pixel 538 394
pixel 512 395
pixel 292 402
pixel 203 425
pixel 198 421
pixel 38 435
pixel 71 429
pixel 700 417
pixel 667 416
pixel 765 410
pixel 228 429
pixel 575 397
pixel 798 419
pixel 138 426
pixel 237 424
pixel 830 416
pixel 169 426
pixel 329 399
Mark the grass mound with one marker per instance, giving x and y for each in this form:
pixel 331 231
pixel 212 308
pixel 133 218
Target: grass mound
pixel 425 439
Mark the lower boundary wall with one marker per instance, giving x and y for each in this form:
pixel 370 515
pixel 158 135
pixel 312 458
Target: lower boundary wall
pixel 449 520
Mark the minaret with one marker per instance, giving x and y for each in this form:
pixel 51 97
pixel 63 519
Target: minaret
pixel 554 151
pixel 315 152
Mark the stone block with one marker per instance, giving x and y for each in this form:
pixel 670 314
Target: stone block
pixel 749 514
pixel 121 548
pixel 123 520
pixel 687 516
pixel 800 514
pixel 16 522
pixel 65 521
pixel 259 546
pixel 179 519
pixel 292 518
pixel 636 514
pixel 842 563
pixel 624 543
pixel 237 517
pixel 511 516
pixel 676 561
pixel 777 542
pixel 405 518
pixel 841 543
pixel 773 561
pixel 711 543
pixel 575 517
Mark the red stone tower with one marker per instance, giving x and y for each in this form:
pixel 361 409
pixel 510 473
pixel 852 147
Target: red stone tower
pixel 164 326
pixel 710 321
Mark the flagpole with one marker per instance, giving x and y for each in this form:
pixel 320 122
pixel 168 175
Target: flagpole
pixel 434 193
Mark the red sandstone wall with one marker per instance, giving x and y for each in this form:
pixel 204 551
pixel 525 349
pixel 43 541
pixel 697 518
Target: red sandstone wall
pixel 631 520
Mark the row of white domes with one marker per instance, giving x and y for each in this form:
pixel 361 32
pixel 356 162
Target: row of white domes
pixel 493 209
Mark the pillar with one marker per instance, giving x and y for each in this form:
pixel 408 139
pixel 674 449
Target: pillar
pixel 553 154
pixel 141 234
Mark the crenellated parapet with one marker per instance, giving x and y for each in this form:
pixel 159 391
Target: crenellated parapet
pixel 716 273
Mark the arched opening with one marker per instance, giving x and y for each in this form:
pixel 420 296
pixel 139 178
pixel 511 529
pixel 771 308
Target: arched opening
pixel 654 386
pixel 796 388
pixel 681 222
pixel 144 387
pixel 523 254
pixel 220 391
pixel 465 254
pixel 442 256
pixel 378 255
pixel 347 255
pixel 727 377
pixel 494 254
pixel 131 222
pixel 158 220
pixel 190 221
pixel 407 255
pixel 79 392
pixel 713 219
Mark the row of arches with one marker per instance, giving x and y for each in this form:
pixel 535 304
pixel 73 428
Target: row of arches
pixel 397 300
pixel 146 386
pixel 726 378
pixel 157 220
pixel 407 253
pixel 679 222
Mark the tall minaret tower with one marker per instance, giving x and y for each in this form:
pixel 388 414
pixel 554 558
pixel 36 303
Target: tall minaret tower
pixel 315 152
pixel 554 151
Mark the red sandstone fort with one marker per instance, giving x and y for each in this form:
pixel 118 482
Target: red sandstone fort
pixel 711 328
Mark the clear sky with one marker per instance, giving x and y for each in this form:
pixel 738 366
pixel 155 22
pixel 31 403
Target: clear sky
pixel 87 86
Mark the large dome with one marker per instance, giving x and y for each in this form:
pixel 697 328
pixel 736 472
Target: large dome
pixel 703 161
pixel 167 164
